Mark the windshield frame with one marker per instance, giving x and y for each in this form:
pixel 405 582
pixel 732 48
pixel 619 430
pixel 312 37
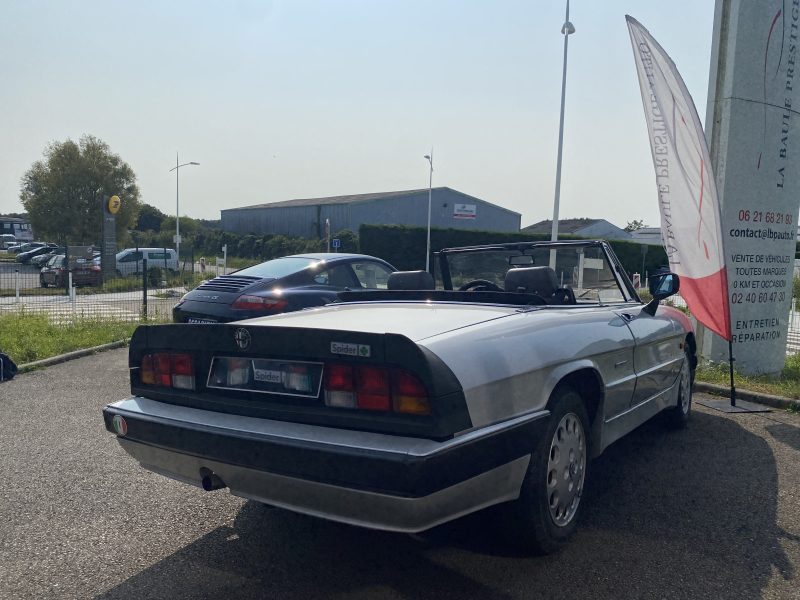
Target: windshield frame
pixel 623 281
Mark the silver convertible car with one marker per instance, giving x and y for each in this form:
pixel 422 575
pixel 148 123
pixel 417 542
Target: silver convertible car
pixel 493 383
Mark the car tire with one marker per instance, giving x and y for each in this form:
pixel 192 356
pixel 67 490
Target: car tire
pixel 678 416
pixel 545 515
pixel 42 282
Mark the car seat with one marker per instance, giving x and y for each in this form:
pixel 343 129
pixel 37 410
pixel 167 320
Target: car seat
pixel 541 281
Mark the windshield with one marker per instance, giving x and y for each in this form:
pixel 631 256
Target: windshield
pixel 280 267
pixel 582 270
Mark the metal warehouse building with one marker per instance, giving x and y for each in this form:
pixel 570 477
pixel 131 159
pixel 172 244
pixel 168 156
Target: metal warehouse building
pixel 306 217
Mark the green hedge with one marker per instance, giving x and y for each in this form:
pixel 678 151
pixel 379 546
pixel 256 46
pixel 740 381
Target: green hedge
pixel 209 242
pixel 404 247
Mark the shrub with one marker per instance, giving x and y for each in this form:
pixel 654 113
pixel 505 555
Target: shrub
pixel 155 276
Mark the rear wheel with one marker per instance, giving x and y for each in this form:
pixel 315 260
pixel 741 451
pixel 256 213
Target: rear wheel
pixel 546 513
pixel 42 282
pixel 678 416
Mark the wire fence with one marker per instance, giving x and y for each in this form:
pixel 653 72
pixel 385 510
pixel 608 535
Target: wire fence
pixel 129 293
pixel 140 288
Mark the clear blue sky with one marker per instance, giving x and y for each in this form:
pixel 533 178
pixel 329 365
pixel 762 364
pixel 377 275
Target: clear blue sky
pixel 304 98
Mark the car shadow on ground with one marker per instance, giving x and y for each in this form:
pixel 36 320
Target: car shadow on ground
pixel 668 514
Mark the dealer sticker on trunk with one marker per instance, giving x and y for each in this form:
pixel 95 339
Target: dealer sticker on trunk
pixel 362 350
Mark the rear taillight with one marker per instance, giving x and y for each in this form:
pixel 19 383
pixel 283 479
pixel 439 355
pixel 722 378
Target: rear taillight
pixel 372 388
pixel 375 388
pixel 340 386
pixel 167 370
pixel 262 303
pixel 409 394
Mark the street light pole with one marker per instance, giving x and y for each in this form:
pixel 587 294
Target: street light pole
pixel 567 29
pixel 429 158
pixel 177 168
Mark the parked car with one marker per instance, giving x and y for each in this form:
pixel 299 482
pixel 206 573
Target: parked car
pixel 281 285
pixel 26 257
pixel 6 240
pixel 41 260
pixel 404 408
pixel 56 273
pixel 18 248
pixel 129 261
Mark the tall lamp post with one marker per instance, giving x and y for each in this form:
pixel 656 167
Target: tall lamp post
pixel 177 169
pixel 567 29
pixel 429 158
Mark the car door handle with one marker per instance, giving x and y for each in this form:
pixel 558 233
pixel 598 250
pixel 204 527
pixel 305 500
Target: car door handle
pixel 620 363
pixel 627 317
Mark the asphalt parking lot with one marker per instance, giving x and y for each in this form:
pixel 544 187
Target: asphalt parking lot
pixel 709 512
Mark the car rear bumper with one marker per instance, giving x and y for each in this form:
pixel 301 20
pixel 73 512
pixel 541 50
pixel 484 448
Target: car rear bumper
pixel 368 479
pixel 191 311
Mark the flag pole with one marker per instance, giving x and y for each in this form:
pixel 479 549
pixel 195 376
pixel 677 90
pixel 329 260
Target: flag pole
pixel 730 360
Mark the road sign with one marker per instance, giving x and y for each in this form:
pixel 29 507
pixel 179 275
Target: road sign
pixel 113 204
pixel 336 243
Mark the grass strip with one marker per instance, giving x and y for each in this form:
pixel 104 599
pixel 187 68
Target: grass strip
pixel 29 337
pixel 787 384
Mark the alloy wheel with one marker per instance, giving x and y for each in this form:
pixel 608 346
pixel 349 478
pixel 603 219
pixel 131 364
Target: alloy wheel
pixel 566 469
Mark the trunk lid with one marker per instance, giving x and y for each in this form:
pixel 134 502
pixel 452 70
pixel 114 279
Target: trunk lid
pixel 414 320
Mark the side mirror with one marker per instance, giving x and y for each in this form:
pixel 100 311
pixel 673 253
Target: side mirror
pixel 661 286
pixel 664 285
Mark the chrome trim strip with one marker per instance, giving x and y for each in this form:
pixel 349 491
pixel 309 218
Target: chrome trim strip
pixel 640 404
pixel 659 366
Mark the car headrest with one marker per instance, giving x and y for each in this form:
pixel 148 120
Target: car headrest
pixel 410 280
pixel 532 280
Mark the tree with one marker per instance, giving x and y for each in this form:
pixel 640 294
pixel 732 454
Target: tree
pixel 635 225
pixel 150 218
pixel 189 226
pixel 348 239
pixel 63 192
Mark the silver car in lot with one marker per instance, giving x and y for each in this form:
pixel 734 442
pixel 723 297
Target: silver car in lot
pixel 405 408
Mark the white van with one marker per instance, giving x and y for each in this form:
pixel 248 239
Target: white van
pixel 6 239
pixel 129 261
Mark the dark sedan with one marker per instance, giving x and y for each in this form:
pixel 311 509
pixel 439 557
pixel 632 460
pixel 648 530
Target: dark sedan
pixel 24 247
pixel 56 273
pixel 41 260
pixel 281 285
pixel 25 257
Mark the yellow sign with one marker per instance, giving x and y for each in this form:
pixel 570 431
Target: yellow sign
pixel 113 204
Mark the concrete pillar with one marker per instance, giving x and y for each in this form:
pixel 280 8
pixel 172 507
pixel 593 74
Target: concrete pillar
pixel 751 124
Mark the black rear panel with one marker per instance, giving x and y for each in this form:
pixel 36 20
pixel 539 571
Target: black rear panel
pixel 449 410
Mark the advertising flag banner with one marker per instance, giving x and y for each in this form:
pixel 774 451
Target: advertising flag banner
pixel 687 192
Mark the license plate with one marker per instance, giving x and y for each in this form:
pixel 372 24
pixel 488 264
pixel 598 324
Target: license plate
pixel 266 376
pixel 194 320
